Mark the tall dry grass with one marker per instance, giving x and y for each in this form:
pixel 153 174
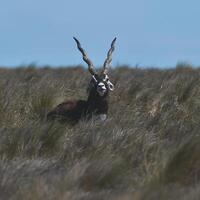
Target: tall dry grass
pixel 148 148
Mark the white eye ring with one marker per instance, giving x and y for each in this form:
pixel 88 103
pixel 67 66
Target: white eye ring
pixel 111 86
pixel 94 78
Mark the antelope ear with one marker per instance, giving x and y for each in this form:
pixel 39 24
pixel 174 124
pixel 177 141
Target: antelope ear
pixel 111 86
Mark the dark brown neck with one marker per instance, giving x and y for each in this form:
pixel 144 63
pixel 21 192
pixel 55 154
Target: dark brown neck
pixel 97 104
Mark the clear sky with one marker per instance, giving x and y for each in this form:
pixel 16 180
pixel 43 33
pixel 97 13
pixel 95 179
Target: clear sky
pixel 149 32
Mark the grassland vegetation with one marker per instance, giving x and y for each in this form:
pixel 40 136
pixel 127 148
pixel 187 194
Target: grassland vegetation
pixel 147 149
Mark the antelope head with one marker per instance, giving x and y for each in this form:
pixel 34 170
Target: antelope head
pixel 100 82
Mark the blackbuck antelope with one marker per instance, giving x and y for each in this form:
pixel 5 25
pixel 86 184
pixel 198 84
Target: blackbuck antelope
pixel 97 102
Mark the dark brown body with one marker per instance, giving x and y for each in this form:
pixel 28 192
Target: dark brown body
pixel 73 111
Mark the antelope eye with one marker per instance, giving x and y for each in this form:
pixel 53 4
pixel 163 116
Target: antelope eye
pixel 106 79
pixel 95 79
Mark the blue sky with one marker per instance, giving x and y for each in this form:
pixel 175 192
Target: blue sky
pixel 149 32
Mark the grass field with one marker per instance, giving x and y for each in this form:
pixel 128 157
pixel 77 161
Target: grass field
pixel 148 149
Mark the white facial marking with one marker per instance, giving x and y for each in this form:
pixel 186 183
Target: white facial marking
pixel 94 78
pixel 110 85
pixel 103 117
pixel 106 78
pixel 102 86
